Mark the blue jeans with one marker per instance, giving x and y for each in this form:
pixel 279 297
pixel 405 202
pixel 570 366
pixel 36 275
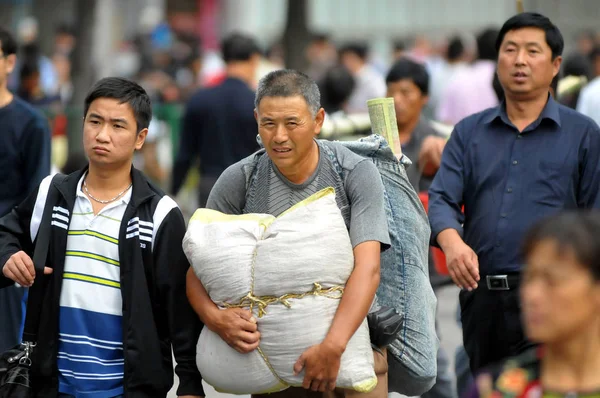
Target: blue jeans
pixel 405 281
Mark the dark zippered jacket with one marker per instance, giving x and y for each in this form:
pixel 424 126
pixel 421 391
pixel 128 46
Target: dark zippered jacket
pixel 156 312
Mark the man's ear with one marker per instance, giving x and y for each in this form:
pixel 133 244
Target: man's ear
pixel 140 139
pixel 556 65
pixel 319 119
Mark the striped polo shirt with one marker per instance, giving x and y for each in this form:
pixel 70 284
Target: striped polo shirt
pixel 90 349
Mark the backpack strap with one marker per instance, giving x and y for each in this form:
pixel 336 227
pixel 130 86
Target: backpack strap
pixel 40 255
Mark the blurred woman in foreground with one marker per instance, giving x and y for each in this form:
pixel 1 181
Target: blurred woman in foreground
pixel 560 296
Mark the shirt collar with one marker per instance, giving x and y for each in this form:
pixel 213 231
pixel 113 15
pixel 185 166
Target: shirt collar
pixel 550 111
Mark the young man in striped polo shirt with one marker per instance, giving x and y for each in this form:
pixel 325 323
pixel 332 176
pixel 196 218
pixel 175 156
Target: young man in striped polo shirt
pixel 114 294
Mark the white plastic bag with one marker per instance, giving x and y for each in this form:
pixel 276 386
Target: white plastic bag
pixel 305 252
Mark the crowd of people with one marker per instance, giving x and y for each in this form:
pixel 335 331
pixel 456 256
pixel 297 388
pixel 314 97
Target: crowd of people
pixel 498 130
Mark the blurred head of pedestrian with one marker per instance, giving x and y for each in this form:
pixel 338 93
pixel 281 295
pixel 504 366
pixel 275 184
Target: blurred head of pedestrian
pixel 399 50
pixel 64 40
pixel 29 81
pixel 242 56
pixel 486 45
pixel 408 83
pixel 354 56
pixel 560 292
pixel 321 50
pixel 8 56
pixel 530 50
pixel 455 51
pixel 117 113
pixel 586 41
pixel 577 65
pixel 337 86
pixel 289 116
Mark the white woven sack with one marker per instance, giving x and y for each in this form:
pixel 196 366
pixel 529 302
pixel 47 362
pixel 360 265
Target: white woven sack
pixel 258 255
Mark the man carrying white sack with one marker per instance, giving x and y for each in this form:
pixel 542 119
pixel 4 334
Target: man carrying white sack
pixel 289 117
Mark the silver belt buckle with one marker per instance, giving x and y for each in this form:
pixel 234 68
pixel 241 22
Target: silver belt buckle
pixel 497 282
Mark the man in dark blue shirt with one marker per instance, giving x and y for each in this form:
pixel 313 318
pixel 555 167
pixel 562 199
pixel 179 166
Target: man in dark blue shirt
pixel 510 166
pixel 218 124
pixel 24 162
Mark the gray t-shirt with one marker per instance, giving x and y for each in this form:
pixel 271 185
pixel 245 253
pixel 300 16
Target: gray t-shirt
pixel 359 191
pixel 412 149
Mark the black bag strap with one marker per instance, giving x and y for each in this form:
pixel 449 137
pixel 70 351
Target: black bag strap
pixel 40 255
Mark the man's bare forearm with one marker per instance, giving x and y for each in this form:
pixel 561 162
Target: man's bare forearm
pixel 357 300
pixel 200 300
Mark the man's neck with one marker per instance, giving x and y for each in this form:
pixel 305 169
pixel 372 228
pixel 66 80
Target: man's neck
pixel 522 112
pixel 575 363
pixel 100 179
pixel 6 97
pixel 242 71
pixel 405 131
pixel 305 167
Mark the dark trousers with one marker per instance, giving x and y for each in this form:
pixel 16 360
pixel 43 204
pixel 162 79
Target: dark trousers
pixel 11 316
pixel 491 324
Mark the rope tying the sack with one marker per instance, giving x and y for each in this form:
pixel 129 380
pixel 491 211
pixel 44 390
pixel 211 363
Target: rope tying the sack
pixel 262 302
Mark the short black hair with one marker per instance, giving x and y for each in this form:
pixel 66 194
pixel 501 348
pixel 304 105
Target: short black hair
pixel 554 38
pixel 400 45
pixel 125 91
pixel 7 42
pixel 289 83
pixel 29 69
pixel 408 69
pixel 456 48
pixel 358 48
pixel 239 47
pixel 577 230
pixel 336 87
pixel 486 44
pixel 64 29
pixel 577 65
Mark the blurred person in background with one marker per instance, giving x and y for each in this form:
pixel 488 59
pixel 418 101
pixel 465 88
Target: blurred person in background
pixel 586 41
pixel 30 87
pixel 588 102
pixel 24 162
pixel 27 37
pixel 62 64
pixel 369 83
pixel 576 72
pixel 453 63
pixel 321 54
pixel 218 123
pixel 510 166
pixel 399 50
pixel 336 88
pixel 471 90
pixel 408 83
pixel 560 298
pixel 64 40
